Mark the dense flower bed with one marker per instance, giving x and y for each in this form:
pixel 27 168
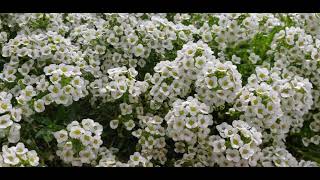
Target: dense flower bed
pixel 128 90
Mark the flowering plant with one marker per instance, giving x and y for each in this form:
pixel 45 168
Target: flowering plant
pixel 146 89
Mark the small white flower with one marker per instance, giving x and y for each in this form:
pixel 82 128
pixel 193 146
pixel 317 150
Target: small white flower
pixel 219 146
pixel 96 141
pixel 191 122
pixel 5 121
pixel 233 155
pixel 86 138
pixel 20 149
pixel 39 105
pixel 87 124
pixel 136 158
pixel 114 124
pixel 61 136
pixel 138 50
pixel 33 158
pixel 76 132
pixel 246 152
pixel 129 125
pixel 178 124
pixel 236 141
pixel 11 159
pixel 67 155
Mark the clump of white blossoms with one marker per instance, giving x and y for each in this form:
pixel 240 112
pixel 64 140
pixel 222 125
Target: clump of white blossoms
pixel 108 159
pixel 236 144
pixel 80 142
pixel 170 89
pixel 259 103
pixel 151 136
pixel 218 83
pixel 18 156
pixel 9 118
pixel 118 82
pixel 279 157
pixel 188 125
pixel 173 79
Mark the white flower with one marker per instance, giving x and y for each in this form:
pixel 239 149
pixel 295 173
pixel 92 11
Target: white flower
pixel 39 105
pixel 76 132
pixel 191 122
pixel 211 82
pixel 114 124
pixel 129 125
pixel 55 90
pixel 246 152
pixel 236 141
pixel 225 83
pixel 178 124
pixel 5 106
pixel 14 133
pixel 47 99
pixel 235 59
pixel 67 155
pixel 10 158
pixel 20 149
pixel 86 138
pixel 33 158
pixel 16 114
pixel 87 124
pixel 262 74
pixel 55 78
pixel 132 39
pixel 63 99
pixel 138 50
pixel 86 156
pixel 66 70
pixel 61 136
pixel 97 128
pixel 136 158
pixel 96 141
pixel 68 89
pixel 219 146
pixel 5 121
pixel 77 81
pixel 233 155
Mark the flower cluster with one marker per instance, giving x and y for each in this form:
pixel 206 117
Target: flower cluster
pixel 173 79
pixel 18 156
pixel 164 89
pixel 236 144
pixel 80 142
pixel 118 82
pixel 219 83
pixel 279 157
pixel 188 126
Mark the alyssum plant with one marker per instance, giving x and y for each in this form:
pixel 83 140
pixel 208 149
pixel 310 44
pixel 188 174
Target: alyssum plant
pixel 127 90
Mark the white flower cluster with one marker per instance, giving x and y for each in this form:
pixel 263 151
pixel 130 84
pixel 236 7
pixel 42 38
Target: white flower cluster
pixel 108 159
pixel 259 103
pixel 188 126
pixel 315 125
pixel 120 81
pixel 272 102
pixel 9 118
pixel 279 157
pixel 236 144
pixel 219 83
pixel 152 138
pixel 188 121
pixel 173 79
pixel 183 89
pixel 18 156
pixel 80 142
